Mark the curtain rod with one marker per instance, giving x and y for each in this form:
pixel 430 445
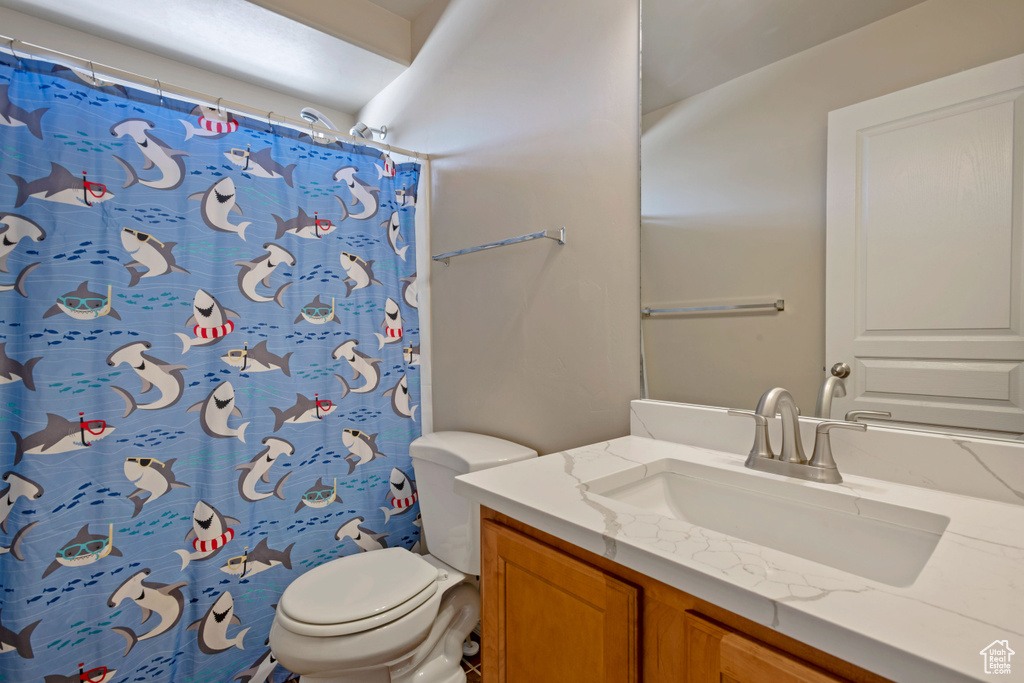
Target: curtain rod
pixel 157 87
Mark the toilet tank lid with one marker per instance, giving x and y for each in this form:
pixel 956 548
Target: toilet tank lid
pixel 467 452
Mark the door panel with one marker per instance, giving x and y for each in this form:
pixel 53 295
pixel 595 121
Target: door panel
pixel 924 250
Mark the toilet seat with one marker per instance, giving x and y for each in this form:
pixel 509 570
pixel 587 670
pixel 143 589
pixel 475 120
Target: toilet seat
pixel 357 593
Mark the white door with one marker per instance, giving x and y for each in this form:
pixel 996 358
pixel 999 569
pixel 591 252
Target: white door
pixel 924 250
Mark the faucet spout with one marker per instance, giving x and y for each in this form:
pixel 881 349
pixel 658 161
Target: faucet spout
pixel 779 400
pixel 831 388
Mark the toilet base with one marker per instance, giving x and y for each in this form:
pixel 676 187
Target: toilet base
pixel 437 660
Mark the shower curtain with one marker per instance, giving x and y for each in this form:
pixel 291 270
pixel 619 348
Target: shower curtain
pixel 209 356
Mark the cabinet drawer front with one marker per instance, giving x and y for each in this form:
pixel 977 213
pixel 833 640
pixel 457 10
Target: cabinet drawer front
pixel 717 654
pixel 552 617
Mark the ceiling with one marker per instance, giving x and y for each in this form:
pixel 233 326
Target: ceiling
pixel 690 46
pixel 407 9
pixel 341 53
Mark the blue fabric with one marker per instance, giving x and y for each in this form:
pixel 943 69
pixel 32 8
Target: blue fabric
pixel 181 424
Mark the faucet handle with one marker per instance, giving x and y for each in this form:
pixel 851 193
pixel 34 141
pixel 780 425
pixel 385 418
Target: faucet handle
pixel 822 457
pixel 855 415
pixel 761 448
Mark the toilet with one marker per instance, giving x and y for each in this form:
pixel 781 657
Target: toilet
pixel 390 615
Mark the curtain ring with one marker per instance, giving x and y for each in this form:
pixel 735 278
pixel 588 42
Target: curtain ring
pixel 160 89
pixel 14 53
pixel 93 68
pixel 219 110
pixel 270 121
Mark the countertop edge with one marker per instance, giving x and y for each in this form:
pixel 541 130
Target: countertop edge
pixel 868 653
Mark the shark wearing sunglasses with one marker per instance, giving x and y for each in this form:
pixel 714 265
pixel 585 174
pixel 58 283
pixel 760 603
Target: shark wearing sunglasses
pixel 83 304
pixel 359 272
pixel 150 476
pixel 84 549
pixel 362 448
pixel 150 253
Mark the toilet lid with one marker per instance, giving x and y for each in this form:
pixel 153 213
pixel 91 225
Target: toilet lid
pixel 357 587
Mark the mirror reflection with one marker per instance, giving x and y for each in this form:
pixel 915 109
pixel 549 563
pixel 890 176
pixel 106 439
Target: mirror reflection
pixel 912 305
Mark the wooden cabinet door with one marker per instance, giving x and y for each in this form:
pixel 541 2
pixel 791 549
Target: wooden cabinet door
pixel 548 617
pixel 720 655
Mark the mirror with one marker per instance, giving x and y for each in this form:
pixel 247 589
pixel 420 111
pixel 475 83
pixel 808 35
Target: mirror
pixel 734 169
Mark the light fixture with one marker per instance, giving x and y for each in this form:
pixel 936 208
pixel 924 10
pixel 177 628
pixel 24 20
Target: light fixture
pixel 361 130
pixel 315 117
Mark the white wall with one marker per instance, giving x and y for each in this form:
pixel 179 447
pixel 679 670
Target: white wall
pixel 86 46
pixel 530 110
pixel 734 198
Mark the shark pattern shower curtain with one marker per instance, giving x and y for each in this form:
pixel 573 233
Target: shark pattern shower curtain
pixel 208 376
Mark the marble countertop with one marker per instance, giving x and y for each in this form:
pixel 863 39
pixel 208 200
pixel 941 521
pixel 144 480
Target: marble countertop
pixel 969 594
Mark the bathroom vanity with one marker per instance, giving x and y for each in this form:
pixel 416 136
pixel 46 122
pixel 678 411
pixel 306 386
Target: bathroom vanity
pixel 577 616
pixel 660 557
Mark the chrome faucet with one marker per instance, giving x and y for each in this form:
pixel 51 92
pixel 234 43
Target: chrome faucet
pixel 831 388
pixel 779 400
pixel 791 461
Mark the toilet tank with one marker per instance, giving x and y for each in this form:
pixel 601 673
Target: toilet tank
pixel 451 524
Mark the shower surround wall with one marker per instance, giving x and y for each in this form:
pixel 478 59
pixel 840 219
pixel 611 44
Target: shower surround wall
pixel 529 110
pixel 209 377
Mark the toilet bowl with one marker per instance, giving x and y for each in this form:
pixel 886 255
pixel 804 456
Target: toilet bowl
pixel 390 615
pixel 379 616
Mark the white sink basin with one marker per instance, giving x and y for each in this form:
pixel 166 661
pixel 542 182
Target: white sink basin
pixel 878 541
